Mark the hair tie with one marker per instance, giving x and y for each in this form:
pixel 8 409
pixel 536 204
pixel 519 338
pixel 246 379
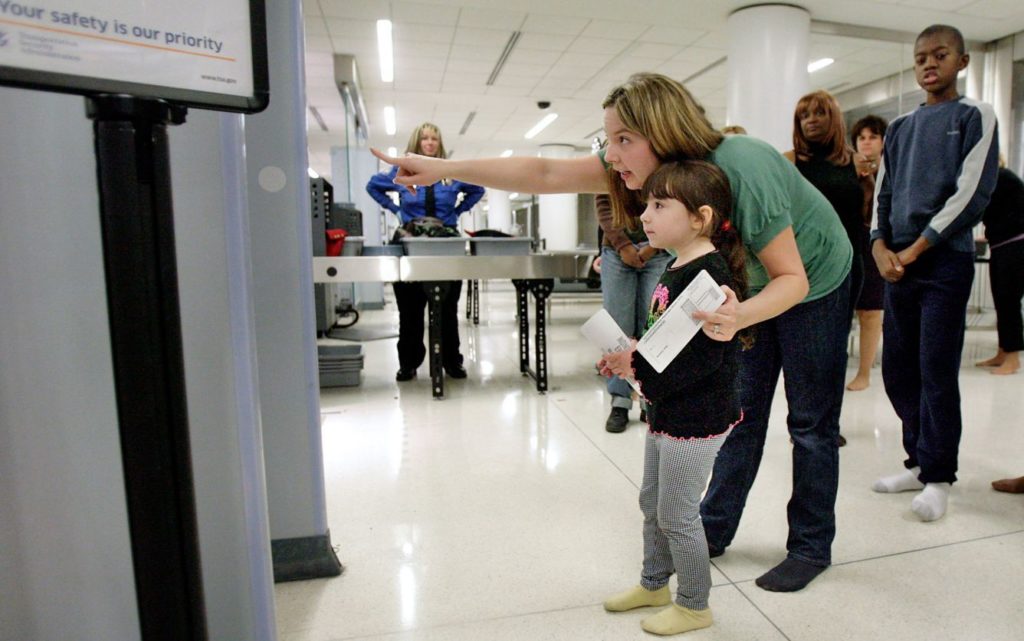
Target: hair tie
pixel 727 225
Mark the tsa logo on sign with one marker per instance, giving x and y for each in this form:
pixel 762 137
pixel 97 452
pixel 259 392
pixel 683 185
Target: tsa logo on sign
pixel 3 39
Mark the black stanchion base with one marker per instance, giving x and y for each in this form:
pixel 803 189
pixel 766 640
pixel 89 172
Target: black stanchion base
pixel 306 557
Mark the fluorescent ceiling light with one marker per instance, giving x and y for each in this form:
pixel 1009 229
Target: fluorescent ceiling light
pixel 507 153
pixel 389 120
pixel 312 174
pixel 386 51
pixel 819 64
pixel 392 151
pixel 513 195
pixel 539 127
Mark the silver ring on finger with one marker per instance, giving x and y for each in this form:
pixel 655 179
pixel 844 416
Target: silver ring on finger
pixel 717 329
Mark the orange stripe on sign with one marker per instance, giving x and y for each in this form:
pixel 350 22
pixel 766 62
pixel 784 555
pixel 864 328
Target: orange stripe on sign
pixel 130 43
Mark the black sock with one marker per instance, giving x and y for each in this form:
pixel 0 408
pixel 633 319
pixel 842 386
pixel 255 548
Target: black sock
pixel 789 576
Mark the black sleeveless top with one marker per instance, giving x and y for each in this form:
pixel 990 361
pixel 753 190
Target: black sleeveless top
pixel 841 187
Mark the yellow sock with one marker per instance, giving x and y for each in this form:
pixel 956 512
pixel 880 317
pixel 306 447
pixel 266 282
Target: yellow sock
pixel 638 597
pixel 676 619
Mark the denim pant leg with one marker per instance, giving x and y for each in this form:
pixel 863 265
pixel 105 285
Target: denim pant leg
pixel 737 463
pixel 812 342
pixel 626 293
pixel 926 328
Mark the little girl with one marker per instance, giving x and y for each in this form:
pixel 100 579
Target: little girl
pixel 692 404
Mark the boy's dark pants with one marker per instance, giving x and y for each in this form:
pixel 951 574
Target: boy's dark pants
pixel 923 338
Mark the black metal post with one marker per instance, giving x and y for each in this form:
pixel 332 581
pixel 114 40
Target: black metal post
pixel 436 293
pixel 133 172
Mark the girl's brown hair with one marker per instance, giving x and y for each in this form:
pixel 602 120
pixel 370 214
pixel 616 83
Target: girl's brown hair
pixel 661 110
pixel 696 183
pixel 414 140
pixel 839 153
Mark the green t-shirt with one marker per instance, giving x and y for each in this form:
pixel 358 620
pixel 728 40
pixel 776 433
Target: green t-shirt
pixel 769 194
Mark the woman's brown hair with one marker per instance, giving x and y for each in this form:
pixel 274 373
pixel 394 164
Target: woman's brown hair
pixel 661 110
pixel 838 152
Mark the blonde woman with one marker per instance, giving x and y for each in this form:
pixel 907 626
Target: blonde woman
pixel 438 199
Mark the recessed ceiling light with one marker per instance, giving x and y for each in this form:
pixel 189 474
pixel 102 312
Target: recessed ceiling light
pixel 392 151
pixel 539 127
pixel 386 51
pixel 819 64
pixel 507 153
pixel 513 195
pixel 312 174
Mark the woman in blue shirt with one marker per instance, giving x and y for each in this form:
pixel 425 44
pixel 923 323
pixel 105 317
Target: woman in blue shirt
pixel 440 200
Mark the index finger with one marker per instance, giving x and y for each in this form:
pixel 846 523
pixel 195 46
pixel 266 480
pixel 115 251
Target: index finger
pixel 391 160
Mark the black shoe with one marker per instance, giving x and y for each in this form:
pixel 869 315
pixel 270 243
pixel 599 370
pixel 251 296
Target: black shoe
pixel 617 420
pixel 455 371
pixel 714 552
pixel 841 440
pixel 405 375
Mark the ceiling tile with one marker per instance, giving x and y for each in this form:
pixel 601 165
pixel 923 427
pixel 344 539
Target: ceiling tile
pixel 344 28
pixel 402 11
pixel 615 29
pixel 661 52
pixel 318 44
pixel 994 9
pixel 544 42
pixel 477 67
pixel 477 37
pixel 532 56
pixel 666 34
pixel 491 18
pixel 315 25
pixel 422 32
pixel 375 9
pixel 565 25
pixel 523 69
pixel 431 49
pixel 477 52
pixel 597 45
pixel 937 5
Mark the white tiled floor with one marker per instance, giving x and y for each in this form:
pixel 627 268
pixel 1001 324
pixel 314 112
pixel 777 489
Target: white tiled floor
pixel 503 514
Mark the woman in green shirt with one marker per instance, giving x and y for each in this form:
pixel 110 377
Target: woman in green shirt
pixel 798 267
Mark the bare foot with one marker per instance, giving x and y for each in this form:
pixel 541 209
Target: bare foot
pixel 1013 486
pixel 1006 368
pixel 858 383
pixel 995 361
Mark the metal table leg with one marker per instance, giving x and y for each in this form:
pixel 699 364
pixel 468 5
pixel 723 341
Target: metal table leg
pixel 523 313
pixel 476 302
pixel 541 290
pixel 436 292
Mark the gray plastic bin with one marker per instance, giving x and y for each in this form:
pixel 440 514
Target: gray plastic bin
pixel 423 246
pixel 340 365
pixel 382 250
pixel 500 246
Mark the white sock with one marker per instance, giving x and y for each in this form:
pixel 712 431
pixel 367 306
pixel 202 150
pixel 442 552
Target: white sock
pixel 930 504
pixel 902 482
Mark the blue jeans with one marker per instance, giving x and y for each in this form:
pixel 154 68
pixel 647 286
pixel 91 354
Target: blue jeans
pixel 808 343
pixel 626 292
pixel 923 330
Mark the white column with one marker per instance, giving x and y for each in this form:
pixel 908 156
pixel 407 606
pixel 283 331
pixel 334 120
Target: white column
pixel 767 70
pixel 557 224
pixel 499 213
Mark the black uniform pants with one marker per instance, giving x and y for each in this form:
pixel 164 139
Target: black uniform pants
pixel 412 304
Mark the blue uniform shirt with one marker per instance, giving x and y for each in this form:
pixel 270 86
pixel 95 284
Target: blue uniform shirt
pixel 446 198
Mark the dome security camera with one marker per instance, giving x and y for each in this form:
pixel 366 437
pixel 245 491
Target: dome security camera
pixel 543 104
